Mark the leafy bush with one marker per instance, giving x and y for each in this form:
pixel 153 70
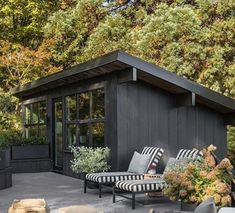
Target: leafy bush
pixel 14 138
pixel 231 144
pixel 29 141
pixel 90 160
pixel 7 138
pixel 197 181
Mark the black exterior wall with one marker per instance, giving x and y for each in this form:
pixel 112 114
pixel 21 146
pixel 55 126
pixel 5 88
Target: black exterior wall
pixel 148 116
pixel 137 115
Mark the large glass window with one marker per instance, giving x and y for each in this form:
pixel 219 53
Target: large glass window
pixel 98 134
pixel 84 135
pixel 35 119
pixel 84 105
pixel 98 104
pixel 71 106
pixel 85 113
pixel 71 134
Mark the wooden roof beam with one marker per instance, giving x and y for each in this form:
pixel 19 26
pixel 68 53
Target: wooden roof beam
pixel 186 99
pixel 229 119
pixel 127 75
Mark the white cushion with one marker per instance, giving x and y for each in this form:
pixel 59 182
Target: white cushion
pixel 226 210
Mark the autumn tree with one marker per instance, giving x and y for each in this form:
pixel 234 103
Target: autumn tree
pixel 193 38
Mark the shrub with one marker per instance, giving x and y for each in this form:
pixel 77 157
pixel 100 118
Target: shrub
pixel 231 144
pixel 90 160
pixel 197 181
pixel 14 138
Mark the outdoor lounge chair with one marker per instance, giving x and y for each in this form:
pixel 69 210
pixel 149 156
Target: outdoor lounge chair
pixel 149 185
pixel 110 178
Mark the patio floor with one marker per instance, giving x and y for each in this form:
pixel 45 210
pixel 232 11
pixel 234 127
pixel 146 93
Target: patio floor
pixel 60 191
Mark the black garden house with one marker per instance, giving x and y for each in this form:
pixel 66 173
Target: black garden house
pixel 125 103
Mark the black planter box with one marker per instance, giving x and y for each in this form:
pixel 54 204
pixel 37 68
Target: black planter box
pixel 5 178
pixel 29 152
pixel 31 165
pixel 4 158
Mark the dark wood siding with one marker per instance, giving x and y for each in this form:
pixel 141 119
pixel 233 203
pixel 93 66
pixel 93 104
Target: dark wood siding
pixel 197 127
pixel 143 119
pixel 149 116
pixel 138 114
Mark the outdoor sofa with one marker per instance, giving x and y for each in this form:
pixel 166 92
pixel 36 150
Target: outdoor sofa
pixel 110 178
pixel 142 186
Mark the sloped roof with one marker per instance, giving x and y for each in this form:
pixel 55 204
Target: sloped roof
pixel 119 60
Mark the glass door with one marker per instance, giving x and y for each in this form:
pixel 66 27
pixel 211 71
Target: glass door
pixel 58 133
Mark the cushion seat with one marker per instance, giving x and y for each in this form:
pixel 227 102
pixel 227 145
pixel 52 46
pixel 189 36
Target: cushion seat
pixel 227 210
pixel 111 177
pixel 142 185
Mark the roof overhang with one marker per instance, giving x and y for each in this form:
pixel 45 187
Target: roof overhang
pixel 119 61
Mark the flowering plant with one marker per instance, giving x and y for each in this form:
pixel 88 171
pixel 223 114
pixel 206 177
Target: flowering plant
pixel 90 160
pixel 197 181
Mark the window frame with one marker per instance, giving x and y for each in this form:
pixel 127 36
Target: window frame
pixel 89 122
pixel 38 124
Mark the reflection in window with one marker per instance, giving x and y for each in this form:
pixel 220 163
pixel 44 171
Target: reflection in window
pixel 42 112
pixel 71 107
pixel 58 115
pixel 71 134
pixel 35 113
pixel 84 106
pixel 42 131
pixel 33 131
pixel 98 134
pixel 98 103
pixel 84 135
pixel 27 114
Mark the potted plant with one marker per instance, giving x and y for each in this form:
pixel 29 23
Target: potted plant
pixel 89 160
pixel 29 148
pixel 197 181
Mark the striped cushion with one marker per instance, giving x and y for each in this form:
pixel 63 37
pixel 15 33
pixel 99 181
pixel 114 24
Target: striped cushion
pixel 142 185
pixel 156 153
pixel 112 177
pixel 189 153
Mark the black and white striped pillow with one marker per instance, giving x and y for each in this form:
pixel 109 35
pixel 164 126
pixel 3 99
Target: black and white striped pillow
pixel 156 153
pixel 189 153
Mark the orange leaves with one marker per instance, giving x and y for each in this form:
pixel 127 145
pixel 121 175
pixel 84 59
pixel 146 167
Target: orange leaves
pixel 20 65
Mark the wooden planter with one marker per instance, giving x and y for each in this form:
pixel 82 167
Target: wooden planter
pixel 30 152
pixel 4 158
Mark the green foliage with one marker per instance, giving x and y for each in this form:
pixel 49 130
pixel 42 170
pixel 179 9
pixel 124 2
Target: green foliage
pixel 21 21
pixel 71 28
pixel 90 160
pixel 9 116
pixel 15 138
